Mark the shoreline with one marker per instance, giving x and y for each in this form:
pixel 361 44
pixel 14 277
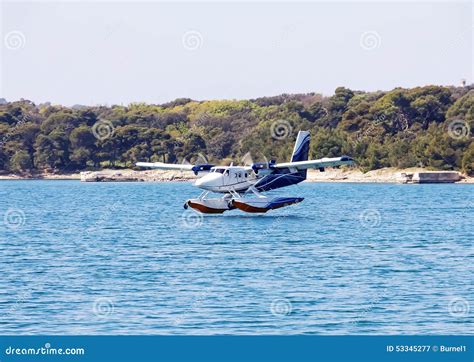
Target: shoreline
pixel 383 175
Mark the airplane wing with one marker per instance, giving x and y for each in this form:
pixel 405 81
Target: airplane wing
pixel 320 163
pixel 178 167
pixel 165 166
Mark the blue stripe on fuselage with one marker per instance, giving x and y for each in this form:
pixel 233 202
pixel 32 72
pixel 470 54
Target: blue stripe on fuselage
pixel 281 178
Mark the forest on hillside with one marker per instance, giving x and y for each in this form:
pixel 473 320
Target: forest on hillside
pixel 428 126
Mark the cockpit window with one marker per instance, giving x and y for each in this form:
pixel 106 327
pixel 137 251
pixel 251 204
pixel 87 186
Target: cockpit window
pixel 226 172
pixel 220 170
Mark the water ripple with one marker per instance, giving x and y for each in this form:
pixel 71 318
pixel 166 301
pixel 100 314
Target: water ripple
pixel 117 259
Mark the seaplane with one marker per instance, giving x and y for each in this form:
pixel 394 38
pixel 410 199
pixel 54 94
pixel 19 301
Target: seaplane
pixel 243 186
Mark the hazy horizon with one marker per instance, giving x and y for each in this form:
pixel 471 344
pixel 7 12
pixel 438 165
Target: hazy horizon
pixel 154 52
pixel 222 99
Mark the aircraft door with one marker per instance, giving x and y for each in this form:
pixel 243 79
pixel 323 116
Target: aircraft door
pixel 227 177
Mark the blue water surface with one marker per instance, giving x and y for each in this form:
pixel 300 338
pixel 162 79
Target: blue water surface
pixel 126 258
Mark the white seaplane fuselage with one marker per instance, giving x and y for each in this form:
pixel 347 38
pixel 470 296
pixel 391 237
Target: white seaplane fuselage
pixel 225 179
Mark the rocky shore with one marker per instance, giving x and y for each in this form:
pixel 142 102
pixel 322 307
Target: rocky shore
pixel 136 176
pixel 384 175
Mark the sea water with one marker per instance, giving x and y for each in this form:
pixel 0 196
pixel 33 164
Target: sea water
pixel 126 258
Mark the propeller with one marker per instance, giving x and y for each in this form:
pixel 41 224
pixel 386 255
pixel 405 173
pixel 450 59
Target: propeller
pixel 247 159
pixel 201 159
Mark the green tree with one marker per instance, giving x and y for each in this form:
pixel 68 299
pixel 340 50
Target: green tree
pixel 82 146
pixel 468 160
pixel 21 162
pixel 51 152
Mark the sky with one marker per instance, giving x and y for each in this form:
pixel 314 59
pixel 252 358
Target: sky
pixel 118 52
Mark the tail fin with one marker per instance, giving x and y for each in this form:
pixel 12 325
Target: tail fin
pixel 301 150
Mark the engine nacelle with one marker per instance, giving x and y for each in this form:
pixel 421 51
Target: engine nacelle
pixel 202 168
pixel 263 167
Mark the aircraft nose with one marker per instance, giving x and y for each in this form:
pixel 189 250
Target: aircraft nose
pixel 207 181
pixel 198 182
